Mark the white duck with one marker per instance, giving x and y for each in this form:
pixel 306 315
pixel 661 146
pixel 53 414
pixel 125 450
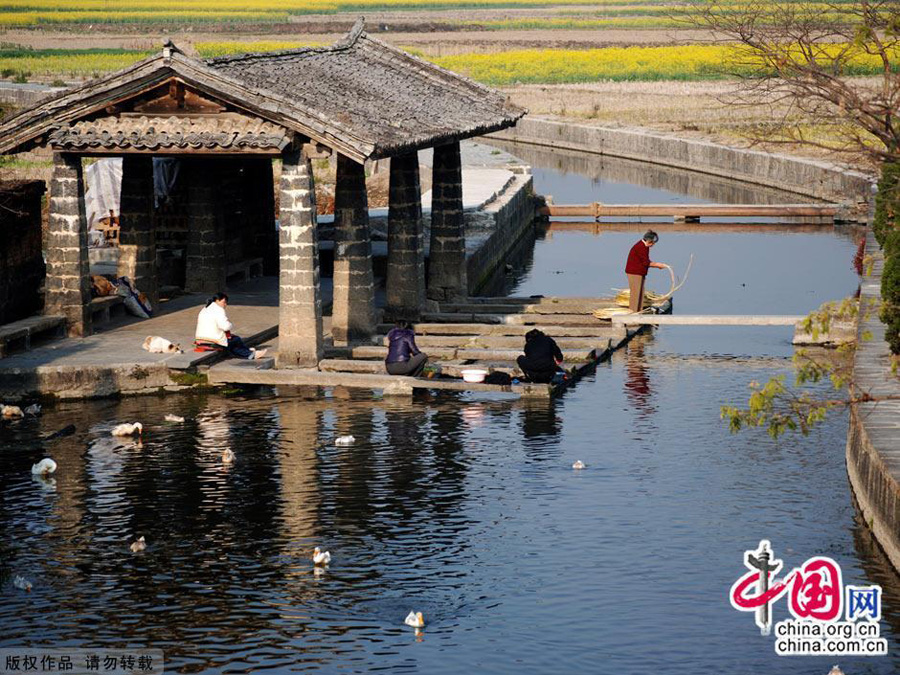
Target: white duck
pixel 578 464
pixel 321 557
pixel 139 545
pixel 174 418
pixel 227 456
pixel 22 583
pixel 33 409
pixel 11 411
pixel 44 468
pixel 128 429
pixel 344 440
pixel 415 619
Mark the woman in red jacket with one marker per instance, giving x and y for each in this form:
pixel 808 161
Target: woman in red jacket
pixel 636 269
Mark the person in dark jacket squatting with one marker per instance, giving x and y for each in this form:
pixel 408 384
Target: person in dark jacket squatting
pixel 404 358
pixel 542 358
pixel 636 269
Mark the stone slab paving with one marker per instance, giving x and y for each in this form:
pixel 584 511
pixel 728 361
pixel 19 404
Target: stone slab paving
pixel 480 186
pixel 872 370
pixel 253 308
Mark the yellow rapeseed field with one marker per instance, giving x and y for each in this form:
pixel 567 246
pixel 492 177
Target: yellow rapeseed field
pixel 67 63
pixel 37 12
pixel 630 13
pixel 547 66
pixel 556 66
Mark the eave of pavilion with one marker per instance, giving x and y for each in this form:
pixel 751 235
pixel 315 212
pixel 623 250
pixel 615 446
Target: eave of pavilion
pixel 34 126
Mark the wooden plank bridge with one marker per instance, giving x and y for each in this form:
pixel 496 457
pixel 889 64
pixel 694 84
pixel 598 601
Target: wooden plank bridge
pixel 694 212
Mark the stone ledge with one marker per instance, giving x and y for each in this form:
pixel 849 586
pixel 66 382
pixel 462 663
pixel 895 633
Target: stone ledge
pixel 820 180
pixel 873 440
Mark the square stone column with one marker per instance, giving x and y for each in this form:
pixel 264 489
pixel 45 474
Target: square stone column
pixel 353 315
pixel 68 265
pixel 447 258
pixel 300 300
pixel 406 255
pixel 137 236
pixel 205 266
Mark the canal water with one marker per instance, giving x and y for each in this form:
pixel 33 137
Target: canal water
pixel 463 507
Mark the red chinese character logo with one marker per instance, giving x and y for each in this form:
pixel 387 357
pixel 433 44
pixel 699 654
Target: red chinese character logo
pixel 817 591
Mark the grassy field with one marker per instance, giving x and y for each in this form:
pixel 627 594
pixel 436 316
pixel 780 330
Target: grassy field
pixel 527 66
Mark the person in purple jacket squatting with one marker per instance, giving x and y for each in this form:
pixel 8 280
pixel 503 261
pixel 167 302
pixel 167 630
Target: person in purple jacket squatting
pixel 404 358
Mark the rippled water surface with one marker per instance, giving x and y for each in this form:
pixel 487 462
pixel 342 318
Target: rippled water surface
pixel 463 507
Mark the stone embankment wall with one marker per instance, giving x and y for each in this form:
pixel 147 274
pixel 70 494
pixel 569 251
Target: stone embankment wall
pixel 512 217
pixel 819 180
pixel 21 262
pixel 873 442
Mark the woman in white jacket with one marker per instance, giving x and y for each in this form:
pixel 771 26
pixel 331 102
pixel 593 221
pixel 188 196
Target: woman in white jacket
pixel 214 330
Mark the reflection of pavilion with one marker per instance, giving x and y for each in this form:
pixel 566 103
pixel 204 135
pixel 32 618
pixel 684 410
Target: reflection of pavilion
pixel 226 120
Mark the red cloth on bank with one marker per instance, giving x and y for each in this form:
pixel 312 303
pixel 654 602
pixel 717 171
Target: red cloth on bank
pixel 638 259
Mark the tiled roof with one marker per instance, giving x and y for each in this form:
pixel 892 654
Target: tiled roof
pixel 226 131
pixel 360 97
pixel 389 98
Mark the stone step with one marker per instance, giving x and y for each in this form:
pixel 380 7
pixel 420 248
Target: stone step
pixel 533 300
pixel 495 341
pixel 599 330
pixel 448 368
pixel 450 353
pixel 228 373
pixel 516 319
pixel 560 307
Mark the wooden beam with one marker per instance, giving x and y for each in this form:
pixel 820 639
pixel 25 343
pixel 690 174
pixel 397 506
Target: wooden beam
pixel 598 228
pixel 600 210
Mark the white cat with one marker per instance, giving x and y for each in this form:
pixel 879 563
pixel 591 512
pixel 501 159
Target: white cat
pixel 159 345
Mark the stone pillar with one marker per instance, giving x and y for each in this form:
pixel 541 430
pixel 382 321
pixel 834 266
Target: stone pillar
pixel 137 237
pixel 205 264
pixel 354 289
pixel 300 301
pixel 68 266
pixel 406 255
pixel 447 257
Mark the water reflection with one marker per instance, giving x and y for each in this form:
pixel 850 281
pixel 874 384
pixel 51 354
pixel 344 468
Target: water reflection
pixel 574 177
pixel 462 507
pixel 637 380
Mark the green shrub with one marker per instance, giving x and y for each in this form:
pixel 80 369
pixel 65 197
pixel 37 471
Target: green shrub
pixel 890 280
pixel 887 202
pixel 890 316
pixel 21 76
pixel 890 294
pixel 891 243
